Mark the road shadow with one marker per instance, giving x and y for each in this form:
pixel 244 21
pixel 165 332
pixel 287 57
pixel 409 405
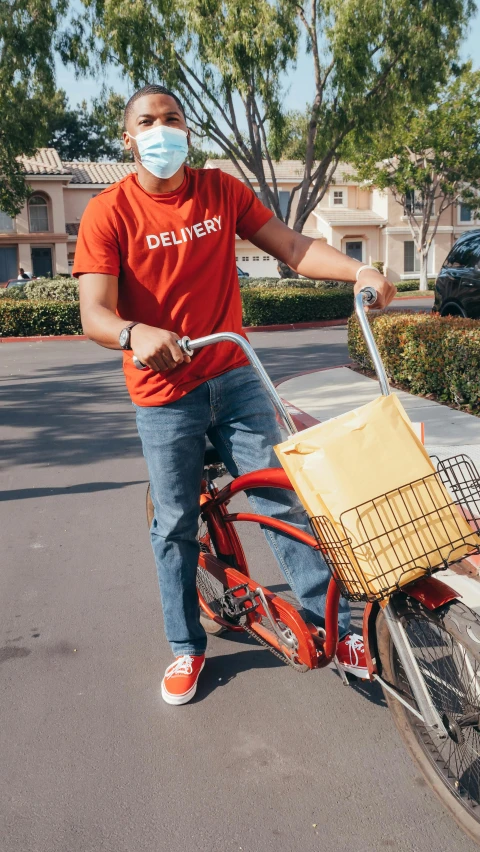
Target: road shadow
pixel 303 357
pixel 220 670
pixel 71 414
pixel 83 488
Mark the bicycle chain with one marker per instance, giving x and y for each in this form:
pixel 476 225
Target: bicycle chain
pixel 298 667
pixel 301 668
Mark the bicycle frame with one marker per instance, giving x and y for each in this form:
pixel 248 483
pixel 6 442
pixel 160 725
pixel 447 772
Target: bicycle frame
pixel 232 570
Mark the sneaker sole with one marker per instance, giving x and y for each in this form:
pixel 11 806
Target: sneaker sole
pixel 358 671
pixel 185 697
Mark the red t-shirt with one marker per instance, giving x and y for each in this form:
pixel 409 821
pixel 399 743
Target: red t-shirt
pixel 174 256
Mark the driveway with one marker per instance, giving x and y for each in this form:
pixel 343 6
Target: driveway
pixel 264 760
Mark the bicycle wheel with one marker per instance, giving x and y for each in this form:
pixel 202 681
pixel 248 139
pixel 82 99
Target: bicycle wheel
pixel 446 644
pixel 208 587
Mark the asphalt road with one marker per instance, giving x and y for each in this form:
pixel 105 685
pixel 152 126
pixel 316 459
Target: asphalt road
pixel 264 760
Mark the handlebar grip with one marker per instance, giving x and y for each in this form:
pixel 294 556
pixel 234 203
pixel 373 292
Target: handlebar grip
pixel 369 295
pixel 184 345
pixel 139 364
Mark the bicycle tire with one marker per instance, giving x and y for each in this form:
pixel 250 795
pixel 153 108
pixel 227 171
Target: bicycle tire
pixel 209 625
pixel 454 636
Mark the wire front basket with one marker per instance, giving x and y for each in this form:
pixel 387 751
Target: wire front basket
pixel 383 544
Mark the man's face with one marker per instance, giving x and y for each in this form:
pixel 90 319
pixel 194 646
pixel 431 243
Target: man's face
pixel 152 111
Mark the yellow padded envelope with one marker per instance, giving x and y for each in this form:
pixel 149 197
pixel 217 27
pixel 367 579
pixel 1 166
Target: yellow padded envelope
pixel 359 457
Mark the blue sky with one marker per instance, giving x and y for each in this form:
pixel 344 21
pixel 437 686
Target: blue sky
pixel 299 83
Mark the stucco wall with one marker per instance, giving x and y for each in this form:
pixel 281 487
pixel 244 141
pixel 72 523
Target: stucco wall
pixel 76 200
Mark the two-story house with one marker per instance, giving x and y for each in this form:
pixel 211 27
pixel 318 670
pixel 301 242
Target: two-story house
pixel 359 220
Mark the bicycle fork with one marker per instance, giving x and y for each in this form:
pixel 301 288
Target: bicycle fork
pixel 428 713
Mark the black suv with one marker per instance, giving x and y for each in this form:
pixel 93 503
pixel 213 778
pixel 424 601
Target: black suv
pixel 457 289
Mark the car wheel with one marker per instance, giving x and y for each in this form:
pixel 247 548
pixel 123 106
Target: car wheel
pixel 452 310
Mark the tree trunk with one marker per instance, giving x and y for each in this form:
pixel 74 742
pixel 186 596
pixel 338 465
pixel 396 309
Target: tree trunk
pixel 423 271
pixel 285 272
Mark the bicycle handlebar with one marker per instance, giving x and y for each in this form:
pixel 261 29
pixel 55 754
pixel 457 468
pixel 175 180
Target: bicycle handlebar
pixel 367 296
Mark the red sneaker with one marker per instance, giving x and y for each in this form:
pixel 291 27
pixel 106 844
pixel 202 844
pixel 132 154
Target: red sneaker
pixel 351 655
pixel 180 682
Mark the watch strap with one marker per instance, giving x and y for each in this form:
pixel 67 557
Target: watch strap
pixel 129 328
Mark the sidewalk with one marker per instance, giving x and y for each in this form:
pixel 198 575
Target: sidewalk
pixel 329 393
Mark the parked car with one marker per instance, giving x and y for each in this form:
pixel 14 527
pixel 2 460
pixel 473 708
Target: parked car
pixel 242 274
pixel 457 288
pixel 16 282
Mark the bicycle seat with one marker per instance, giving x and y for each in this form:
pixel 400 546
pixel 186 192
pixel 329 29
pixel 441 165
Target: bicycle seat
pixel 211 454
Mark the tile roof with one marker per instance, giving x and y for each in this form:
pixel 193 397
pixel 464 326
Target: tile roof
pixel 45 162
pixel 349 217
pixel 286 170
pixel 98 173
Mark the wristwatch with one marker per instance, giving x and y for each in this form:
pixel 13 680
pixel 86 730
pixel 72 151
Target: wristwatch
pixel 124 336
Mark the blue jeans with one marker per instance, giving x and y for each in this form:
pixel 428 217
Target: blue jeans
pixel 235 412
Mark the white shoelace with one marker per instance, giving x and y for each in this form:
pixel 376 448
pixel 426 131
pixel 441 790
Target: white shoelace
pixel 182 666
pixel 355 644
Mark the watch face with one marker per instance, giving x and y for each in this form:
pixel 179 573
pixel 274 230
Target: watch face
pixel 124 337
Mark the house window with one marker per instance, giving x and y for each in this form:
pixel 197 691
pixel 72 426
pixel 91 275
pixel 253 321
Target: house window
pixel 283 199
pixel 266 257
pixel 413 202
pixel 354 248
pixel 411 258
pixel 465 213
pixel 255 257
pixel 338 197
pixel 38 210
pixel 245 259
pixel 6 222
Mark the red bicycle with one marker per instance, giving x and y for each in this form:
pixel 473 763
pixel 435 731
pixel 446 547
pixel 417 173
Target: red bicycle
pixel 422 643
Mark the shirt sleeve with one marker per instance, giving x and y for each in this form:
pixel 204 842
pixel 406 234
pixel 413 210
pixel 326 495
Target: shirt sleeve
pixel 251 213
pixel 97 245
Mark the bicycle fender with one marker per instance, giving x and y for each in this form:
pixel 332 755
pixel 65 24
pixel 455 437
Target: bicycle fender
pixel 430 592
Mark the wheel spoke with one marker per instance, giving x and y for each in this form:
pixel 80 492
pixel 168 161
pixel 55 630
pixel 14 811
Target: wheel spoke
pixel 452 677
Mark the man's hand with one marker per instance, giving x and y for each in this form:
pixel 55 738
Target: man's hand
pixel 384 288
pixel 157 348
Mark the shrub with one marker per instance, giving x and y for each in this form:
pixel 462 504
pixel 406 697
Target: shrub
pixel 425 353
pixel 13 293
pixel 404 286
pixel 263 306
pixel 378 264
pixel 295 283
pixel 58 289
pixel 29 318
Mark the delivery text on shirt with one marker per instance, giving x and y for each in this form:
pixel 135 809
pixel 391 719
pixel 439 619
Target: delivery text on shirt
pixel 174 238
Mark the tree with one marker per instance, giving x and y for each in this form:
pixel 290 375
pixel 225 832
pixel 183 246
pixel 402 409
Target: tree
pixel 27 84
pixel 82 134
pixel 430 160
pixel 228 59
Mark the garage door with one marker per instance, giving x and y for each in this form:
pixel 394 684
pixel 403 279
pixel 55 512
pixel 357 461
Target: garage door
pixel 8 263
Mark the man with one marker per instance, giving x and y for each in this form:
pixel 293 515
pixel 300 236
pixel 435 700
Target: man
pixel 22 275
pixel 156 261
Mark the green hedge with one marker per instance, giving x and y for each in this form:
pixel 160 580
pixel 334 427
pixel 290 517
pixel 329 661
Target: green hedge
pixel 29 318
pixel 276 306
pixel 261 306
pixel 412 284
pixel 426 354
pixel 295 283
pixel 58 289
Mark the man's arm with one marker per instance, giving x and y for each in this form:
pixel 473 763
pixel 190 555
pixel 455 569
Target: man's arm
pixel 316 259
pixel 155 347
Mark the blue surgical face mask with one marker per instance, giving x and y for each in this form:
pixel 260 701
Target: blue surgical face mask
pixel 162 150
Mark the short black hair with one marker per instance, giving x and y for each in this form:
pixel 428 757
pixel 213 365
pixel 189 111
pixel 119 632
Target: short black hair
pixel 151 89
